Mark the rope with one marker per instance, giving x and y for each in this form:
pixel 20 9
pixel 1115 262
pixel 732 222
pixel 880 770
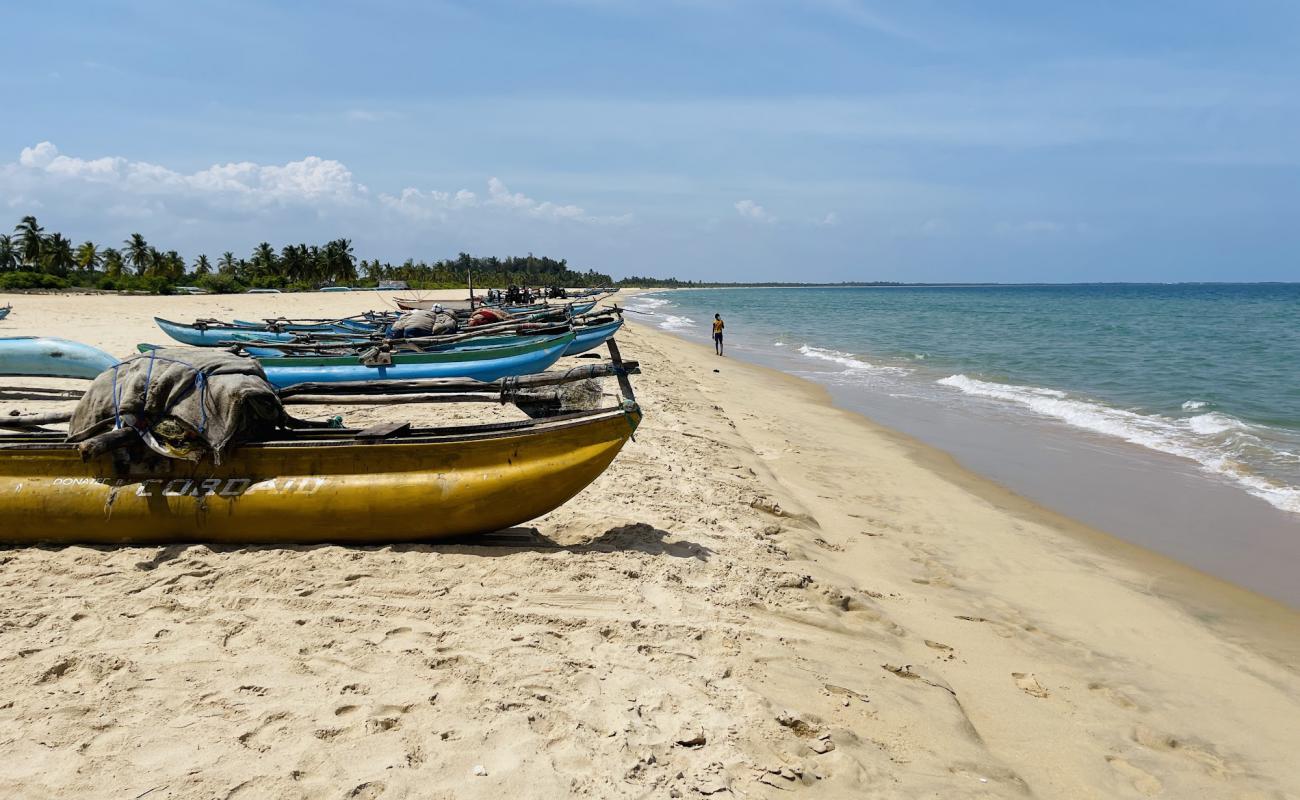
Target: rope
pixel 200 384
pixel 509 389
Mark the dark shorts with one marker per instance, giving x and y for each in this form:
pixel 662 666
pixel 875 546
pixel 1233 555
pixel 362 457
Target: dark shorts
pixel 717 337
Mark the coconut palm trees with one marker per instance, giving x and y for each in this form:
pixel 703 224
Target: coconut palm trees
pixel 57 255
pixel 202 266
pixel 112 263
pixel 8 253
pixel 226 264
pixel 171 266
pixel 137 252
pixel 88 257
pixel 29 236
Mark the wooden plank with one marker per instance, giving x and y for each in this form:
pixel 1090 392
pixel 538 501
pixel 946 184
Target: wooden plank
pixel 384 430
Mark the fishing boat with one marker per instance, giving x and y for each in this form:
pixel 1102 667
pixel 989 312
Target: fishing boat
pixel 412 304
pixel 383 362
pixel 593 335
pixel 588 334
pixel 49 357
pixel 5 309
pixel 387 483
pixel 212 334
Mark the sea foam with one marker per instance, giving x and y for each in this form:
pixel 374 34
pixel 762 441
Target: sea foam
pixel 1212 440
pixel 847 360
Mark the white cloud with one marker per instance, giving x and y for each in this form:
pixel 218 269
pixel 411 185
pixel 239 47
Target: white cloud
pixel 428 205
pixel 500 195
pixel 38 156
pixel 243 184
pixel 829 221
pixel 313 184
pixel 751 210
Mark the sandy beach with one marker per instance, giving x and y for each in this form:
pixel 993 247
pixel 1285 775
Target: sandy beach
pixel 763 596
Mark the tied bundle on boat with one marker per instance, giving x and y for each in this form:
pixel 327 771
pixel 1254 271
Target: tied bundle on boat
pixel 183 404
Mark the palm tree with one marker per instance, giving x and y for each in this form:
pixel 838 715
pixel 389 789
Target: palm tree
pixel 153 261
pixel 88 257
pixel 202 266
pixel 8 253
pixel 341 264
pixel 173 266
pixel 264 256
pixel 29 237
pixel 57 254
pixel 112 263
pixel 226 264
pixel 137 252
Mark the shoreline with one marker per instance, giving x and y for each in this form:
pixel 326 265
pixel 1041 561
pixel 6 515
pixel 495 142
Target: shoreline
pixel 764 595
pixel 1200 592
pixel 1155 499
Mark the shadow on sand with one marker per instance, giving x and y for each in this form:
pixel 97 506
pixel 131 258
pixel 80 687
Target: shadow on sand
pixel 636 537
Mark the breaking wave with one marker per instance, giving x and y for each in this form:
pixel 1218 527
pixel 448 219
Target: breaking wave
pixel 1218 442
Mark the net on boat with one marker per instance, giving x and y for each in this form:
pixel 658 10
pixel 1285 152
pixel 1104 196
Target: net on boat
pixel 182 402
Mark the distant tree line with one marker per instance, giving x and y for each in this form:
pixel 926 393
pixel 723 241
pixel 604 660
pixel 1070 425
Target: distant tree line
pixel 32 258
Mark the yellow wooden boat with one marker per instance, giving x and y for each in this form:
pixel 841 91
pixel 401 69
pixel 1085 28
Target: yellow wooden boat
pixel 317 486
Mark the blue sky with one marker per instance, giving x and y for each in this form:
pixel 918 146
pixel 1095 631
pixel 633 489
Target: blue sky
pixel 820 140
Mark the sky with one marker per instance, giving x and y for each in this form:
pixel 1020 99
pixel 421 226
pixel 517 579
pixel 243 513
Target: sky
pixel 825 140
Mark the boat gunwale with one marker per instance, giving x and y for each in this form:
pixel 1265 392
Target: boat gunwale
pixel 428 357
pixel 55 441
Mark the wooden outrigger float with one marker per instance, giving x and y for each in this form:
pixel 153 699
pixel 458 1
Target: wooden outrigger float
pixel 388 483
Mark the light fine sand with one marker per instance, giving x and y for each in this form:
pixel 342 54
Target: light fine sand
pixel 763 597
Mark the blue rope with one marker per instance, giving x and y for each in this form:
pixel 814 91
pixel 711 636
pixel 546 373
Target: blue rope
pixel 200 382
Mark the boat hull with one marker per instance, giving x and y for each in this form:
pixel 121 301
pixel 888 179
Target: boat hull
pixel 215 336
pixel 593 336
pixel 484 364
pixel 48 357
pixel 341 492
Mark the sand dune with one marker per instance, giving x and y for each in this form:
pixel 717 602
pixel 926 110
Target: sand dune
pixel 763 596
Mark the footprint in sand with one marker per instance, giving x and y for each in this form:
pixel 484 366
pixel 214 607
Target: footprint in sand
pixel 1027 683
pixel 1143 781
pixel 1113 695
pixel 1214 765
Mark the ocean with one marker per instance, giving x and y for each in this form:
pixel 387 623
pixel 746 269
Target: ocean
pixel 1208 373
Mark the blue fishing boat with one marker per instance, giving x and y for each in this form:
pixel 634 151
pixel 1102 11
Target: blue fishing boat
pixel 362 325
pixel 588 337
pixel 4 311
pixel 48 357
pixel 526 356
pixel 200 334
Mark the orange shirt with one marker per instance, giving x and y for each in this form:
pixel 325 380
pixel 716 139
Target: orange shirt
pixel 717 326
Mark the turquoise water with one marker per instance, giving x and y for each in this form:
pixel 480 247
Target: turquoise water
pixel 1206 372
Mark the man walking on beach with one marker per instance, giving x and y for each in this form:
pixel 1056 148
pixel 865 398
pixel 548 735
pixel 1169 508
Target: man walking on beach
pixel 717 333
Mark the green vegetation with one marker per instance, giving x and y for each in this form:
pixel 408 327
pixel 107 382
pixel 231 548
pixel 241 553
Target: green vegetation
pixel 31 258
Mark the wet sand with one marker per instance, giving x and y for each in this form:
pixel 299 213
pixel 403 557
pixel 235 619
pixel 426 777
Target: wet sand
pixel 764 595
